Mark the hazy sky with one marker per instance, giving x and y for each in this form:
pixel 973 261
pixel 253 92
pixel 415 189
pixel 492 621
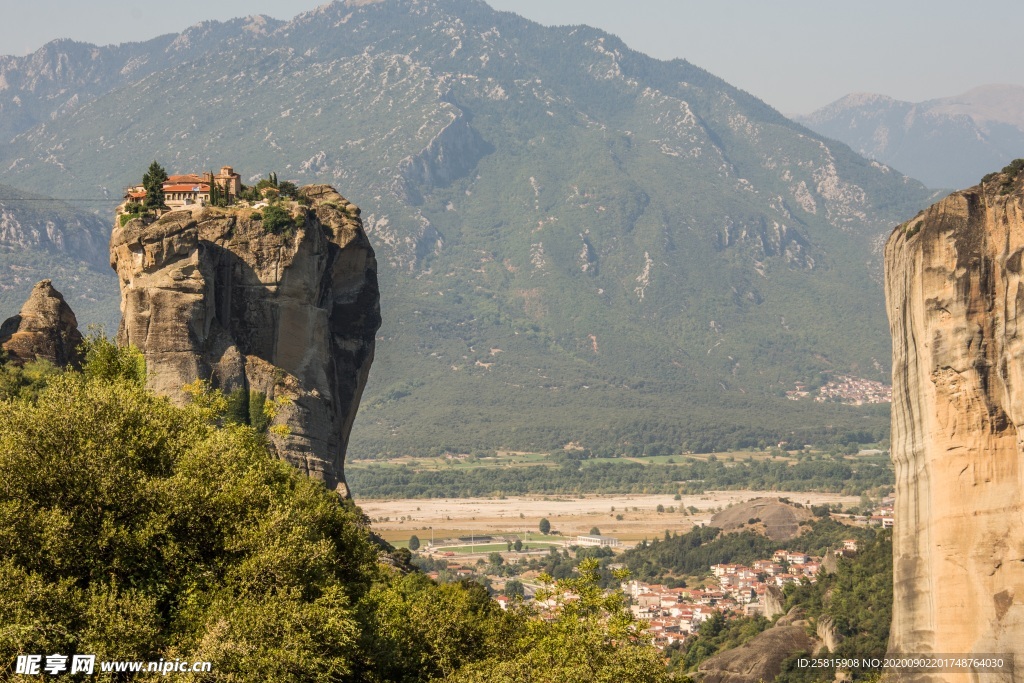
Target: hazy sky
pixel 796 55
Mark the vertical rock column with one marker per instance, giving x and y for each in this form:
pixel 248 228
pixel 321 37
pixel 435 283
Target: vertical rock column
pixel 211 294
pixel 955 298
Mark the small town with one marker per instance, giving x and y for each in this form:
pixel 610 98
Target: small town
pixel 670 613
pixel 511 568
pixel 855 391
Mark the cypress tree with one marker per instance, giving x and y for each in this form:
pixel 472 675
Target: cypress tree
pixel 153 182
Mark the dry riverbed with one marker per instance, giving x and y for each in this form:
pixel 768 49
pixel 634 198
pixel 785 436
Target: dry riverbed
pixel 639 516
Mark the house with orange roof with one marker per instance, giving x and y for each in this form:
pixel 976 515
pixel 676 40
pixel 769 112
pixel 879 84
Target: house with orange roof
pixel 191 189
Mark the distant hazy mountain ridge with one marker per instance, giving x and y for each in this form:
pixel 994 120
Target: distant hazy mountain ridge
pixel 43 238
pixel 578 242
pixel 947 142
pixel 34 222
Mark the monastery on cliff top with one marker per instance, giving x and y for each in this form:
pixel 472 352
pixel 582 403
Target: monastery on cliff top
pixel 191 189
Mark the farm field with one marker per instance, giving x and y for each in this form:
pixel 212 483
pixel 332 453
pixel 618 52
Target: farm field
pixel 525 459
pixel 397 520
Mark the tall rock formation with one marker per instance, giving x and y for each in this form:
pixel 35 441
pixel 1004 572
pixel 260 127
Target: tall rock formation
pixel 211 293
pixel 44 329
pixel 955 297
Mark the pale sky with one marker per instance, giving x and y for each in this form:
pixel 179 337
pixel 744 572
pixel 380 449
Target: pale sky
pixel 796 55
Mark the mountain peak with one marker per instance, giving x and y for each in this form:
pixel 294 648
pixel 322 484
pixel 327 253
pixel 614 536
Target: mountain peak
pixel 546 191
pixel 944 142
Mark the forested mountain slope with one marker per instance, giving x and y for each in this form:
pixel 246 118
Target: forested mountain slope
pixel 578 242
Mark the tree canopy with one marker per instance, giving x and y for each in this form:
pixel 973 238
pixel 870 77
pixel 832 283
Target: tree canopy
pixel 132 528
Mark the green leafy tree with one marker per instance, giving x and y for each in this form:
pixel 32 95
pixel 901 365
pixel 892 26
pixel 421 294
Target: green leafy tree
pixel 416 631
pixel 518 545
pixel 544 526
pixel 106 361
pixel 277 219
pixel 514 588
pixel 414 542
pixel 217 195
pixel 147 530
pixel 594 531
pixel 134 528
pixel 593 637
pixel 153 182
pixel 25 381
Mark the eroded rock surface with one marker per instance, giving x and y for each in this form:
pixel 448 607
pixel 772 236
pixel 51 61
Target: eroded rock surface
pixel 955 297
pixel 761 658
pixel 45 329
pixel 211 294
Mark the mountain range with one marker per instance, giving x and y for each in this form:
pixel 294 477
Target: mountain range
pixel 579 244
pixel 947 142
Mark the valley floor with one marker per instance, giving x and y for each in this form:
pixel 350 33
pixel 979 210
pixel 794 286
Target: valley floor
pixel 397 520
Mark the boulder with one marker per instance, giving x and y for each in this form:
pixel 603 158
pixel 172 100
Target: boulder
pixel 761 658
pixel 44 329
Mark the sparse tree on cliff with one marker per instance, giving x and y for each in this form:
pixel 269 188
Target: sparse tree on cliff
pixel 153 182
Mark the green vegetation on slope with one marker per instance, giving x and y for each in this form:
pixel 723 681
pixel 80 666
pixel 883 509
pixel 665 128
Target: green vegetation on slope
pixel 694 552
pixel 858 600
pixel 857 597
pixel 577 242
pixel 134 529
pixel 617 476
pixel 714 635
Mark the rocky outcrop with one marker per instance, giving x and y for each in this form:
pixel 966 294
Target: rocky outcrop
pixel 774 602
pixel 44 329
pixel 827 633
pixel 212 294
pixel 955 298
pixel 779 521
pixel 761 658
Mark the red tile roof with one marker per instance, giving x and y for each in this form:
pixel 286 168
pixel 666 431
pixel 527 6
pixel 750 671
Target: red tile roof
pixel 186 187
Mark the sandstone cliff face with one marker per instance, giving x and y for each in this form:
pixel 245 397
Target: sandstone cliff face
pixel 211 294
pixel 955 298
pixel 44 329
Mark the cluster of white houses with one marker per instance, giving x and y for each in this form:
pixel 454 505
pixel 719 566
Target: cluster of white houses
pixel 674 613
pixel 192 189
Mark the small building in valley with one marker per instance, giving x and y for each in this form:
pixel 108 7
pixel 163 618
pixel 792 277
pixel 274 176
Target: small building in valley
pixel 597 541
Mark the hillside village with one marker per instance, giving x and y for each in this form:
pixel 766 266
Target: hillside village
pixel 672 613
pixel 854 391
